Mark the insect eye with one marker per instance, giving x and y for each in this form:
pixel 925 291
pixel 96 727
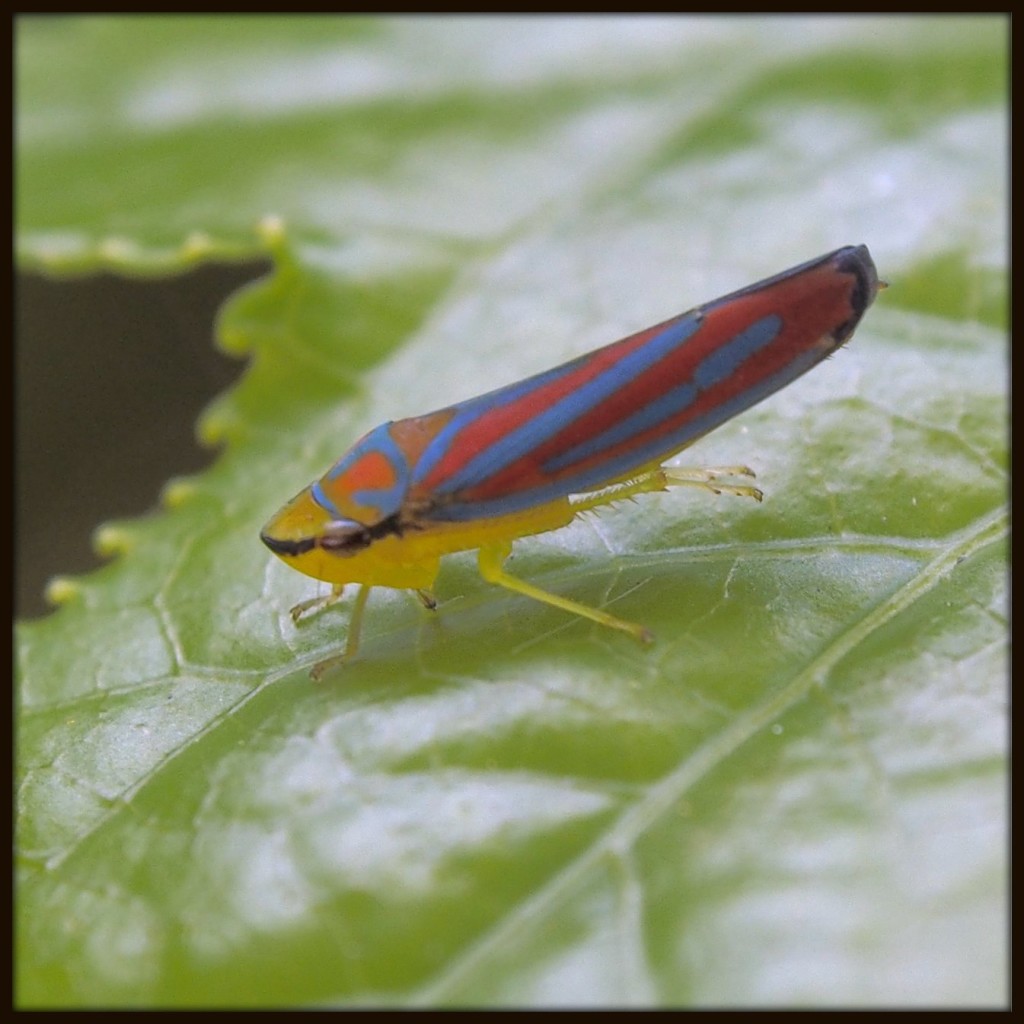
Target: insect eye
pixel 345 538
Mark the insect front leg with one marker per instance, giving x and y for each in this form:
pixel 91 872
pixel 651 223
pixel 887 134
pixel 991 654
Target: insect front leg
pixel 355 626
pixel 317 604
pixel 491 560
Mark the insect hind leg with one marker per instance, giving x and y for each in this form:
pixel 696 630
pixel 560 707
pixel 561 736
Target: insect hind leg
pixel 712 478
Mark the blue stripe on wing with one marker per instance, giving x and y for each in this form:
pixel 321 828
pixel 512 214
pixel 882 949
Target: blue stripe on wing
pixel 660 445
pixel 541 428
pixel 715 368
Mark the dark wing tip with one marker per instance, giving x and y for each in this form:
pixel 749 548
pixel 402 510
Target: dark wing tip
pixel 856 261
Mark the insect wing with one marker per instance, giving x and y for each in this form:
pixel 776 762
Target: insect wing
pixel 641 399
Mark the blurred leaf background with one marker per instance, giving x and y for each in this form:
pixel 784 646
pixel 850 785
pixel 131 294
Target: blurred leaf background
pixel 797 797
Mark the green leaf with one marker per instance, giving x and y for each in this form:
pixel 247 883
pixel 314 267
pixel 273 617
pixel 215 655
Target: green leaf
pixel 798 795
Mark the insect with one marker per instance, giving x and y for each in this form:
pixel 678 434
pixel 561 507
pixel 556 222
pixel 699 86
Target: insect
pixel 531 456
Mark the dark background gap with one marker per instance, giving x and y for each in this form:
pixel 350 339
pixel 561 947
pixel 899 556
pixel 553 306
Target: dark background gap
pixel 110 376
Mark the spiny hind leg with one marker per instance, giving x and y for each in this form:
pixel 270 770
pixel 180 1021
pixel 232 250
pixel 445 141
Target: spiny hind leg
pixel 713 479
pixel 661 478
pixel 491 560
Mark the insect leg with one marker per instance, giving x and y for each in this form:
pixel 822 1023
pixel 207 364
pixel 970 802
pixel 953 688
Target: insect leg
pixel 317 604
pixel 663 477
pixel 492 557
pixel 355 625
pixel 709 477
